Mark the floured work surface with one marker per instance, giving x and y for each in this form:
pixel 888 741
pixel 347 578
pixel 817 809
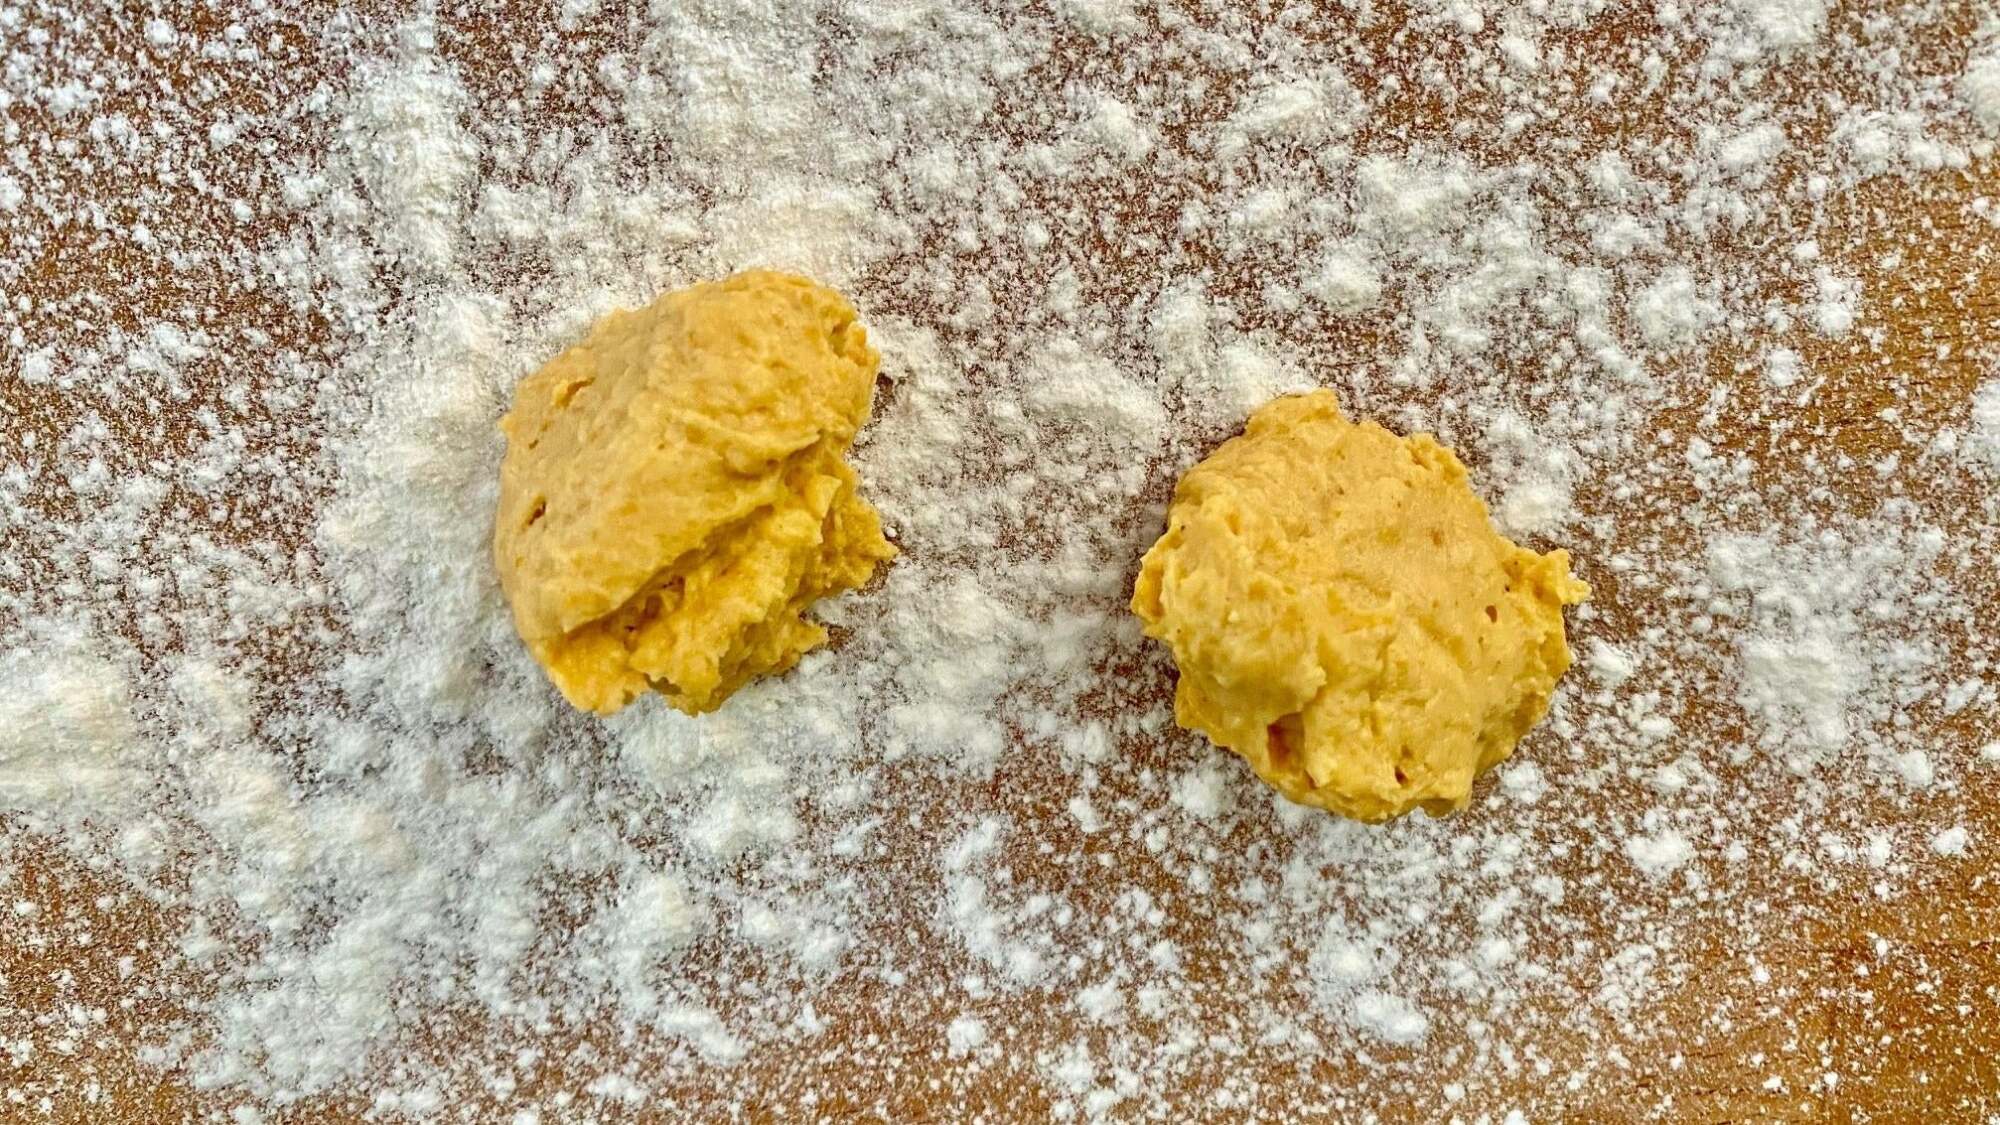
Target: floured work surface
pixel 295 827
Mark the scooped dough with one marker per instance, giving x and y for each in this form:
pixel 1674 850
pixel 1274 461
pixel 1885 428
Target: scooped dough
pixel 1345 616
pixel 674 498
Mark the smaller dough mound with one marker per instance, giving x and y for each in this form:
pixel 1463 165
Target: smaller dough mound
pixel 674 498
pixel 1346 618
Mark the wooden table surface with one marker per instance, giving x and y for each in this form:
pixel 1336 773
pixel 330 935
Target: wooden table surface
pixel 1920 1041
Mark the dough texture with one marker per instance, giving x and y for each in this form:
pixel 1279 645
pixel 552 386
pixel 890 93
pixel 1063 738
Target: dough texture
pixel 1345 616
pixel 673 497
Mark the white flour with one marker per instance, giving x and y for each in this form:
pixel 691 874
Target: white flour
pixel 257 666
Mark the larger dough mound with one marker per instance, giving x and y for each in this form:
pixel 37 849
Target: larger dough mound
pixel 1345 616
pixel 674 498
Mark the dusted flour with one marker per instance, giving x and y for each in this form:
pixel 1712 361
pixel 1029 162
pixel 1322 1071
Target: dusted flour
pixel 1668 279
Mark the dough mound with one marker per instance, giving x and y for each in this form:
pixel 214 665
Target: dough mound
pixel 674 498
pixel 1345 616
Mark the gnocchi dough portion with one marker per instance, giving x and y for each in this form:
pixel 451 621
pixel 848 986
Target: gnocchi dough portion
pixel 674 495
pixel 1345 616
